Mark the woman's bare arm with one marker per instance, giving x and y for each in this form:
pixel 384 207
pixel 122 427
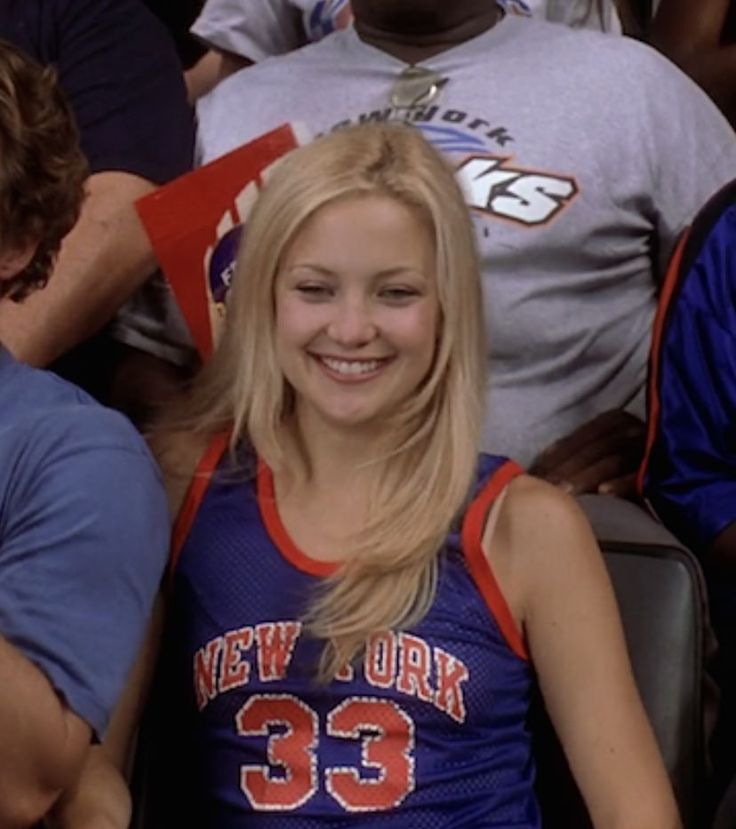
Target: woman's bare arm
pixel 554 577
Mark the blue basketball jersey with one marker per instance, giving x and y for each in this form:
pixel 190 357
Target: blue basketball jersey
pixel 427 730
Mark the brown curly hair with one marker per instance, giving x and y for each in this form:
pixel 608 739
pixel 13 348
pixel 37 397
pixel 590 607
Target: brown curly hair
pixel 42 168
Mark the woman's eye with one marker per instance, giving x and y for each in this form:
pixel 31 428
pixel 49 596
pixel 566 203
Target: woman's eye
pixel 314 290
pixel 398 294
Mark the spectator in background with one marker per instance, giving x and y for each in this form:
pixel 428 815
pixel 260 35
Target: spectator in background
pixel 689 475
pixel 241 32
pixel 578 190
pixel 121 75
pixel 83 519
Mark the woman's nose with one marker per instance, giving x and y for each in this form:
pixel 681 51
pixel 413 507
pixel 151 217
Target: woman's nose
pixel 353 323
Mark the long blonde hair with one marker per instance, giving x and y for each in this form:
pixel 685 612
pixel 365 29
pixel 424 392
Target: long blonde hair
pixel 429 454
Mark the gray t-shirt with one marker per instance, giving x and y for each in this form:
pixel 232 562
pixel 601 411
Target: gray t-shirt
pixel 583 156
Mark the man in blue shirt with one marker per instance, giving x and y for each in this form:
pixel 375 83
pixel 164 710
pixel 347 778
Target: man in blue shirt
pixel 83 518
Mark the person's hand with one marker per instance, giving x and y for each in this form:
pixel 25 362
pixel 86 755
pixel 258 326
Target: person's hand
pixel 601 456
pixel 70 814
pixel 100 800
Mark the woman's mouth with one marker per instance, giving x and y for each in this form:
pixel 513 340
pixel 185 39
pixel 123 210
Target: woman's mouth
pixel 351 368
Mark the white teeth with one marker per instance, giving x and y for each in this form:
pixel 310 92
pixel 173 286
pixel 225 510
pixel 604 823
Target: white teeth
pixel 351 367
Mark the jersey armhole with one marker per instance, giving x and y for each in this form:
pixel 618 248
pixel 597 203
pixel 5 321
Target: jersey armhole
pixel 474 524
pixel 194 495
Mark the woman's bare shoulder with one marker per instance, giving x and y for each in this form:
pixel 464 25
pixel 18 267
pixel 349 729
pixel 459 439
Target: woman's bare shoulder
pixel 534 510
pixel 539 534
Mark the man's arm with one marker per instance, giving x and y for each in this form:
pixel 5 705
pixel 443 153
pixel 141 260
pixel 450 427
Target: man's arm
pixel 691 34
pixel 118 68
pixel 43 743
pixel 101 798
pixel 82 547
pixel 600 456
pixel 239 34
pixel 102 261
pixel 213 67
pixel 253 30
pixel 682 26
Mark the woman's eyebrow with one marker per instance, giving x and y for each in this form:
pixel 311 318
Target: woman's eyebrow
pixel 383 274
pixel 321 269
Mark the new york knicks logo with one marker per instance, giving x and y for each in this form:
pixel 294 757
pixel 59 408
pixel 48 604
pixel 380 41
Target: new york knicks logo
pixel 492 184
pixel 529 197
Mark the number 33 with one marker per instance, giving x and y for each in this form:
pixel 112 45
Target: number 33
pixel 386 732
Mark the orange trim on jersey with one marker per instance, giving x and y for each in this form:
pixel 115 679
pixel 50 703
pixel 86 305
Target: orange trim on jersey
pixel 276 530
pixel 478 564
pixel 671 281
pixel 195 493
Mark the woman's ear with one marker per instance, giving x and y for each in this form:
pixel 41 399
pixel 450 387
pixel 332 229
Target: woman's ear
pixel 15 259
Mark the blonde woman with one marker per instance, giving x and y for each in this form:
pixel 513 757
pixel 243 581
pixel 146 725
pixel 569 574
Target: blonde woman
pixel 357 599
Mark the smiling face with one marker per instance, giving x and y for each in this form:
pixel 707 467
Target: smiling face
pixel 357 313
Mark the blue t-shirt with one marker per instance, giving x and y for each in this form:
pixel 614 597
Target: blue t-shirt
pixel 119 69
pixel 83 536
